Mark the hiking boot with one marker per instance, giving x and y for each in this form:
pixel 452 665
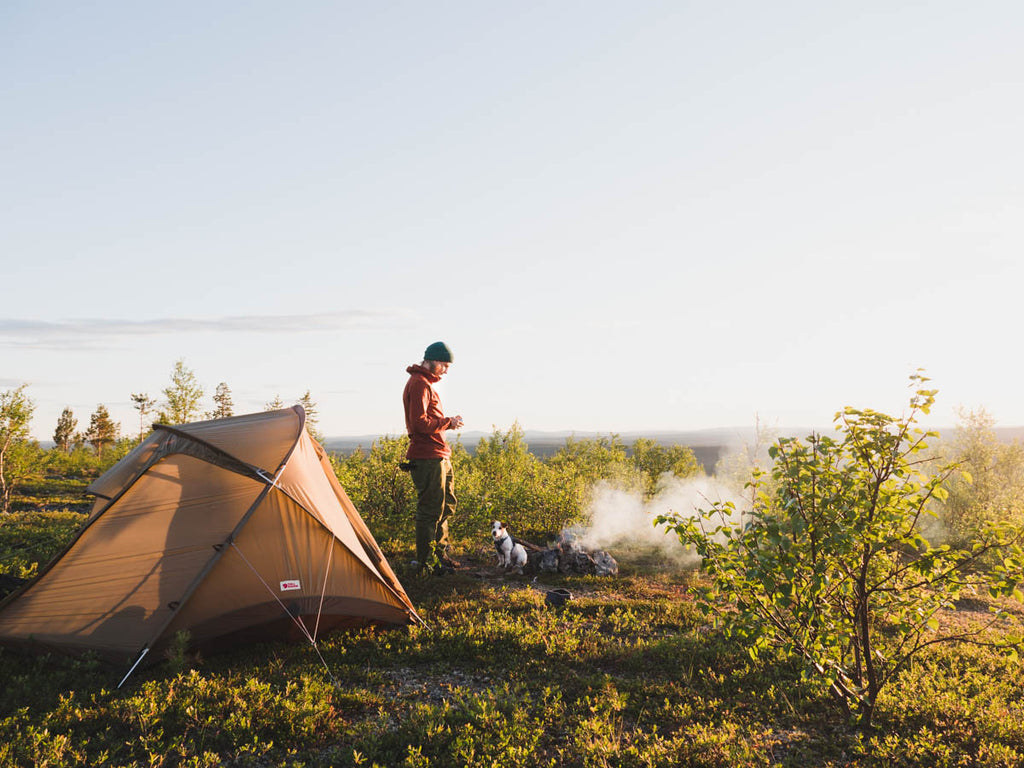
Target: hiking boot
pixel 447 562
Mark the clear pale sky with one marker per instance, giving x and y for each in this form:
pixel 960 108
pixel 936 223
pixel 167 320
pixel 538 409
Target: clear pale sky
pixel 620 215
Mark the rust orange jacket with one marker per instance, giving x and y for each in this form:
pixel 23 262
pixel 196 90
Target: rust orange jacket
pixel 424 420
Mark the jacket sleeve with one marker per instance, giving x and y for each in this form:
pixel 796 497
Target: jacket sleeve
pixel 420 419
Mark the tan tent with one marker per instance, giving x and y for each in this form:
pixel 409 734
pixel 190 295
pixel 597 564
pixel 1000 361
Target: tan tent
pixel 233 530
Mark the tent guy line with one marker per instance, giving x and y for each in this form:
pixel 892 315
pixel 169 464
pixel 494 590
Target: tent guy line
pixel 297 619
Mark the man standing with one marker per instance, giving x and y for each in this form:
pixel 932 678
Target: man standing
pixel 430 456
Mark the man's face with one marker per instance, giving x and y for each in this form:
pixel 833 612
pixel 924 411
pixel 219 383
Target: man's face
pixel 437 367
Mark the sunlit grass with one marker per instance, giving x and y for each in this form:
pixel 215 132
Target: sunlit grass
pixel 628 673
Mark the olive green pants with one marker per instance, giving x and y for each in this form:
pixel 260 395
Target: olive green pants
pixel 435 488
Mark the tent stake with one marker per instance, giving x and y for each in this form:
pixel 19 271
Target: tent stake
pixel 141 657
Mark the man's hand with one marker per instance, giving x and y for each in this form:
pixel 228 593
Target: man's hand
pixel 456 422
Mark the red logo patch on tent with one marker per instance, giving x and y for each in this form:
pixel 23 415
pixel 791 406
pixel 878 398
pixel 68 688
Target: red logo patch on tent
pixel 287 586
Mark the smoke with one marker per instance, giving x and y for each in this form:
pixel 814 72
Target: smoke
pixel 623 519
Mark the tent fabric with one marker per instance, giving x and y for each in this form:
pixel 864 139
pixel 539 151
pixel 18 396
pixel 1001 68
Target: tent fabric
pixel 232 530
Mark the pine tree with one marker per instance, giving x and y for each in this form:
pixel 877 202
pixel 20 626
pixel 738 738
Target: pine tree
pixel 312 416
pixel 144 404
pixel 65 430
pixel 224 406
pixel 274 405
pixel 183 396
pixel 103 431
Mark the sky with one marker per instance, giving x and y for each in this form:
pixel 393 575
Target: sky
pixel 621 216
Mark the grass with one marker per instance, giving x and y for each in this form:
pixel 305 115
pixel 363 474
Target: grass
pixel 626 674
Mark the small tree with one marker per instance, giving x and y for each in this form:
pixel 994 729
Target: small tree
pixel 312 416
pixel 16 409
pixel 660 461
pixel 144 404
pixel 831 565
pixel 739 464
pixel 103 431
pixel 500 480
pixel 996 490
pixel 223 405
pixel 64 433
pixel 183 396
pixel 274 405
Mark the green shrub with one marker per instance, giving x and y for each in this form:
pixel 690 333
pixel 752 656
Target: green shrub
pixel 831 566
pixel 381 491
pixel 503 481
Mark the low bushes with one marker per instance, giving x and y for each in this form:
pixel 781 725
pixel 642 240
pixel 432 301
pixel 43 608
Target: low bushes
pixel 502 480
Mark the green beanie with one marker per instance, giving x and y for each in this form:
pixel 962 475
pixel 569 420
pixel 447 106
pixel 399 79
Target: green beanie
pixel 440 352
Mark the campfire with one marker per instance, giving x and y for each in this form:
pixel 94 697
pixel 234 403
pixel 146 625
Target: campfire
pixel 568 555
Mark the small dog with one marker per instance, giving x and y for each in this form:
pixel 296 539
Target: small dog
pixel 510 552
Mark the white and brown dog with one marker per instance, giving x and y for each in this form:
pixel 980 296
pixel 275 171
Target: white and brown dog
pixel 511 554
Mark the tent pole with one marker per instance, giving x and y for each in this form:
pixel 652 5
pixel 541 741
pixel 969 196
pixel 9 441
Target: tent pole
pixel 219 551
pixel 323 589
pixel 137 661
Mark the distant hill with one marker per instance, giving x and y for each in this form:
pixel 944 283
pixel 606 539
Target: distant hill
pixel 545 442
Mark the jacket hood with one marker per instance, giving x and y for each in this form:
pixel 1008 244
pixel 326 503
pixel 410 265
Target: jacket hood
pixel 419 369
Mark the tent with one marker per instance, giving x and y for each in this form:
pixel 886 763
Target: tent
pixel 234 530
